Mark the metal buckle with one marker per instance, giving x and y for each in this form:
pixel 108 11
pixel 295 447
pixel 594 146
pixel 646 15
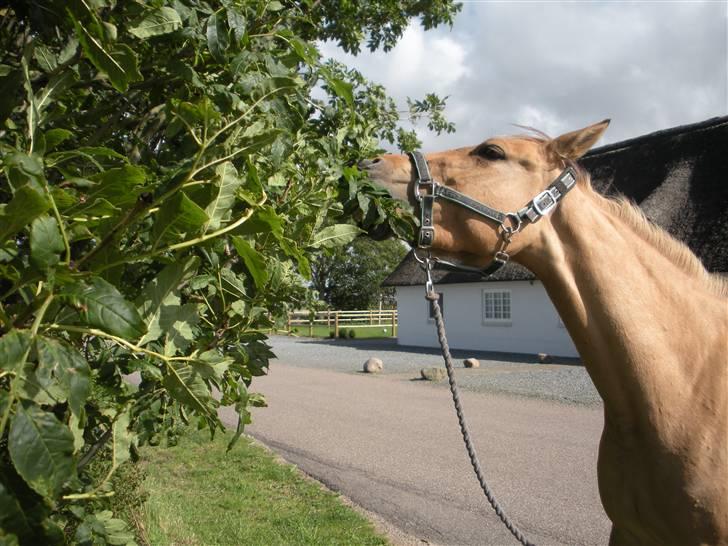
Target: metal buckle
pixel 544 202
pixel 420 185
pixel 427 234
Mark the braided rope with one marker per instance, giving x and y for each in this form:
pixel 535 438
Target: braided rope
pixel 442 337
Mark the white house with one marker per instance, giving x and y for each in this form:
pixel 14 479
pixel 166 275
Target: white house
pixel 679 177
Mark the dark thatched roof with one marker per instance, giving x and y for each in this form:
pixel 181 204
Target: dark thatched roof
pixel 679 177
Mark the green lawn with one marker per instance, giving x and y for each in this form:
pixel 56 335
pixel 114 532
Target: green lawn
pixel 199 495
pixel 321 330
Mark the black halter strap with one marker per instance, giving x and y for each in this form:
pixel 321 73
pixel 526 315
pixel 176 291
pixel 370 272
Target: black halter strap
pixel 427 191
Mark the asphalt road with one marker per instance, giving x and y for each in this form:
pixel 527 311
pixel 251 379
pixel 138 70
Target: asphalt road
pixel 393 446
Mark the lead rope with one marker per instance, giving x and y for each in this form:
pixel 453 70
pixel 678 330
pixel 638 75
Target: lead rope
pixel 433 297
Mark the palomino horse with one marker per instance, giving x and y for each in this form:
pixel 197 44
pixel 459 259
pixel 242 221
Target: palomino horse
pixel 649 322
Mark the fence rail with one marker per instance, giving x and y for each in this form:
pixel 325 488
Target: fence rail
pixel 367 318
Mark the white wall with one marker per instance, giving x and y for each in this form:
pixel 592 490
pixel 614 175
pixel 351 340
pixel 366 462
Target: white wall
pixel 534 326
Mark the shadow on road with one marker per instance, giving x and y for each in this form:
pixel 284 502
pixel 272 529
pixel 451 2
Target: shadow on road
pixel 390 344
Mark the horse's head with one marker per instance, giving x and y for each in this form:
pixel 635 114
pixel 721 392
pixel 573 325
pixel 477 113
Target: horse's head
pixel 504 173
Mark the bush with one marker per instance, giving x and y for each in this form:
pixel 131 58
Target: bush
pixel 342 334
pixel 332 334
pixel 352 333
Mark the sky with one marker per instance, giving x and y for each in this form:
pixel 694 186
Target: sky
pixel 559 66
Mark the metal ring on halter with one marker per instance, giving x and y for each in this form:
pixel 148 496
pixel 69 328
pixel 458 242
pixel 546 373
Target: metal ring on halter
pixel 424 260
pixel 508 231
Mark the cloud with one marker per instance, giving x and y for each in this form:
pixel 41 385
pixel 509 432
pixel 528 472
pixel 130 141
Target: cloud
pixel 560 66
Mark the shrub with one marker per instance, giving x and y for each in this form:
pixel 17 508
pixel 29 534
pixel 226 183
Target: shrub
pixel 352 333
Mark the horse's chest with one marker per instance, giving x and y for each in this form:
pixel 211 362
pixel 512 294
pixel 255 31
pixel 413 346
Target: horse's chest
pixel 658 494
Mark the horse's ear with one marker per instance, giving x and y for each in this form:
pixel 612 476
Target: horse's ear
pixel 575 144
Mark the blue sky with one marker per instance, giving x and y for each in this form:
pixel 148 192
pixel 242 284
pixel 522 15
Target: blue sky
pixel 558 66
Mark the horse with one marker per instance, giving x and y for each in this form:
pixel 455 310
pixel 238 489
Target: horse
pixel 649 322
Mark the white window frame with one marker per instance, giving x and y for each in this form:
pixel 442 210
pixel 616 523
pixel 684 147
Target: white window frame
pixel 496 321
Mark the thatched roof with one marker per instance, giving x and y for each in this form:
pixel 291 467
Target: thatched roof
pixel 679 177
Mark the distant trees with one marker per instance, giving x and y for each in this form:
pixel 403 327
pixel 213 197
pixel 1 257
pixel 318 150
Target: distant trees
pixel 350 277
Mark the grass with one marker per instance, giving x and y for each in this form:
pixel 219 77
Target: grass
pixel 201 495
pixel 321 330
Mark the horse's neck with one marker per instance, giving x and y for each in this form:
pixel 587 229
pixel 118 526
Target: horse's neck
pixel 639 321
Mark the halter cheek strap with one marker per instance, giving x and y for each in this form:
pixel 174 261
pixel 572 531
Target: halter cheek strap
pixel 509 223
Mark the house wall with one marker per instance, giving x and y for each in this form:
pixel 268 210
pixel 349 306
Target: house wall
pixel 534 326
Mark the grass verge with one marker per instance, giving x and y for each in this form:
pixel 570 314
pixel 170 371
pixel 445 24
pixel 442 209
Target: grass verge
pixel 201 495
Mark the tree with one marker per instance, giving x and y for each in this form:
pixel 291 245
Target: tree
pixel 350 277
pixel 165 174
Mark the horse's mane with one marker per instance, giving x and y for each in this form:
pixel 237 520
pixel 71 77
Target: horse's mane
pixel 676 251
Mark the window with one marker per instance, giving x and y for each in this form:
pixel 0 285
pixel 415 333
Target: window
pixel 496 306
pixel 431 310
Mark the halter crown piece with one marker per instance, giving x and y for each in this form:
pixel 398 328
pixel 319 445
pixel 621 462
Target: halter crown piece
pixel 509 223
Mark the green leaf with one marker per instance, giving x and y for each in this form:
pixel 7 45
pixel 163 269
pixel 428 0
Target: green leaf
pixel 179 216
pixel 41 448
pixel 22 169
pixel 26 205
pixel 54 137
pixel 336 235
pixel 120 186
pixel 45 58
pixel 178 323
pixel 121 439
pixel 14 348
pixel 217 37
pixel 236 22
pixel 46 242
pixel 120 64
pixel 57 359
pixel 161 292
pixel 101 305
pixel 227 182
pixel 341 88
pixel 155 23
pixel 186 385
pixel 12 517
pixel 253 261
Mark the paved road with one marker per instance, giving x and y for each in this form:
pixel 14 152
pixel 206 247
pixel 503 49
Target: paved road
pixel 393 446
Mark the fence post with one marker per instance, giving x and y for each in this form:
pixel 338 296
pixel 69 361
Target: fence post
pixel 310 325
pixel 336 324
pixel 394 323
pixel 289 323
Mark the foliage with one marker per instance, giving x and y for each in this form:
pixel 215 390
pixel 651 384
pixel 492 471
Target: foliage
pixel 350 277
pixel 166 172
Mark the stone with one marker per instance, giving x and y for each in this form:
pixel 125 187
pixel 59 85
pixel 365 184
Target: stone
pixel 433 374
pixel 544 358
pixel 373 365
pixel 471 363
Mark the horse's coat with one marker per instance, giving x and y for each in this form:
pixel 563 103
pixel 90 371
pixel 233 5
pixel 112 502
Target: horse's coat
pixel 650 324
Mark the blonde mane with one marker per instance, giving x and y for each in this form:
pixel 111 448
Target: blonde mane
pixel 675 251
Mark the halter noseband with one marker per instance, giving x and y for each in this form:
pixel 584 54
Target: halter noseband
pixel 509 223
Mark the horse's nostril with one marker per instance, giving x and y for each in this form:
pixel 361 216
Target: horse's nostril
pixel 368 163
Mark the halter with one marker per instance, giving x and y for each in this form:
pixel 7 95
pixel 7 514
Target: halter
pixel 427 190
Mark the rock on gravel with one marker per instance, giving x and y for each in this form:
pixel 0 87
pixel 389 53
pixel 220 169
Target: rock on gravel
pixel 545 358
pixel 373 365
pixel 471 363
pixel 433 374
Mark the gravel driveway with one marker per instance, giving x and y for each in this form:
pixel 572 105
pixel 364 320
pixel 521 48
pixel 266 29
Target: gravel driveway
pixel 564 381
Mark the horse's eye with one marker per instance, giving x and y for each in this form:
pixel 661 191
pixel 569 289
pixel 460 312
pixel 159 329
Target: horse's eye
pixel 491 152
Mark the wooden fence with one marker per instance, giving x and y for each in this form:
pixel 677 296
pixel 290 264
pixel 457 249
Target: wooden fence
pixel 368 318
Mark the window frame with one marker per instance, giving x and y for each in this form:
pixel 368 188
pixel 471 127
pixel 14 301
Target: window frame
pixel 496 321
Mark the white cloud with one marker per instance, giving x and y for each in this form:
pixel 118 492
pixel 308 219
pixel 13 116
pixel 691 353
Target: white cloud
pixel 561 65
